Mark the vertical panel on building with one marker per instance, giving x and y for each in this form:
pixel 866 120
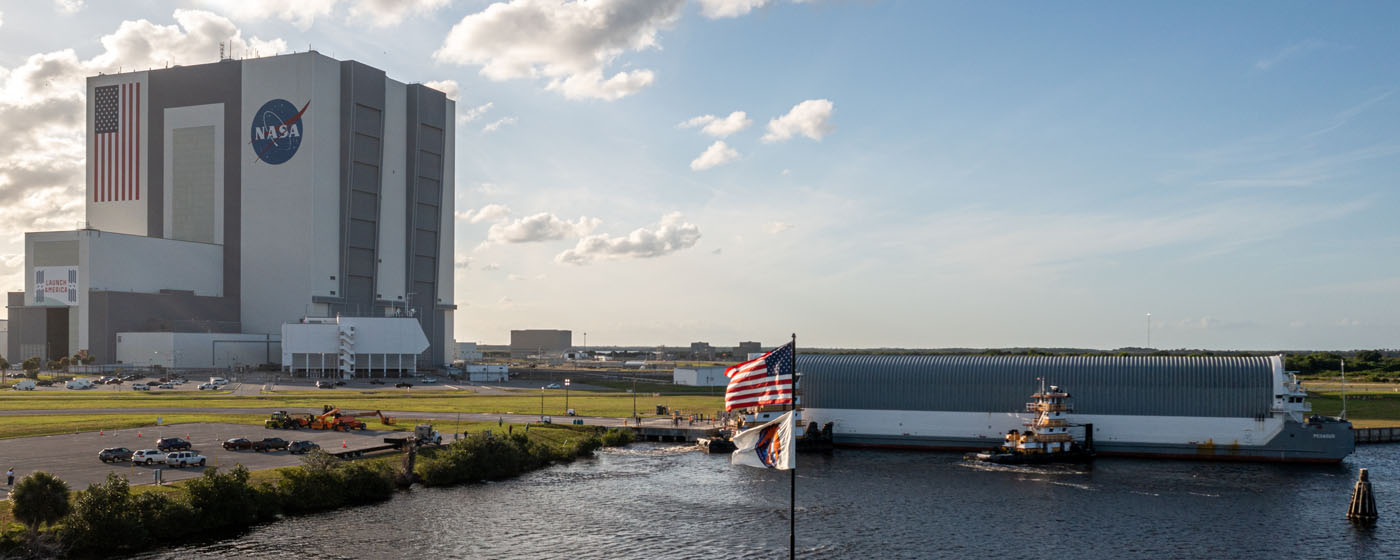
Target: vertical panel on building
pixel 426 148
pixel 118 113
pixel 393 200
pixel 361 135
pixel 446 242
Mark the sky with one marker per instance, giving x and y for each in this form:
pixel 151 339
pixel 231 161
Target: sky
pixel 863 174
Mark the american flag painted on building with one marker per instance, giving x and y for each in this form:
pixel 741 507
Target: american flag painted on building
pixel 116 168
pixel 761 381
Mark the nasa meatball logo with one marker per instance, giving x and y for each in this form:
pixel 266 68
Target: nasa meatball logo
pixel 277 130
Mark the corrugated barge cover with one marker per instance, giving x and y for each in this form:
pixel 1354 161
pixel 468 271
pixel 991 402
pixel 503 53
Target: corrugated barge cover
pixel 1236 386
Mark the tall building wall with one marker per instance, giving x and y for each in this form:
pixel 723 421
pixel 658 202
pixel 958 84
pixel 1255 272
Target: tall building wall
pixel 353 216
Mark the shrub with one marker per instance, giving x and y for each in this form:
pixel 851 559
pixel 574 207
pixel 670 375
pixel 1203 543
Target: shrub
pixel 101 519
pixel 163 517
pixel 223 501
pixel 617 438
pixel 39 499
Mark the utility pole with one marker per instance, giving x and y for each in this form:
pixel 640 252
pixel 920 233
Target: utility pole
pixel 1149 331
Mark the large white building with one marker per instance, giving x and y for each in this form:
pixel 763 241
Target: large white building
pixel 237 196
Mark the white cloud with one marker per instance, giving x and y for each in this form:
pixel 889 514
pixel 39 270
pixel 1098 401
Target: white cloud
pixel 720 127
pixel 514 277
pixel 786 172
pixel 672 234
pixel 777 227
pixel 810 118
pixel 42 107
pixel 68 6
pixel 386 13
pixel 539 227
pixel 490 189
pixel 496 125
pixel 492 266
pixel 301 13
pixel 448 87
pixel 718 153
pixel 569 44
pixel 716 9
pixel 488 213
pixel 2 19
pixel 1290 51
pixel 475 112
pixel 462 262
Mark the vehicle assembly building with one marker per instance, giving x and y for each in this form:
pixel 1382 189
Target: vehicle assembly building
pixel 235 197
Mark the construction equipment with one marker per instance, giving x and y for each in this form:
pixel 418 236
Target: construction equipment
pixel 283 420
pixel 334 419
pixel 423 434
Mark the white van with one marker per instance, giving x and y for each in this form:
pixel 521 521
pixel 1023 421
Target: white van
pixel 23 385
pixel 83 383
pixel 218 381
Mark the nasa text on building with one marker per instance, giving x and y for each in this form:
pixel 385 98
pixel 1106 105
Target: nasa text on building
pixel 235 197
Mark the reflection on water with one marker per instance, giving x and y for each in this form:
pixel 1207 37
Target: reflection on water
pixel 665 501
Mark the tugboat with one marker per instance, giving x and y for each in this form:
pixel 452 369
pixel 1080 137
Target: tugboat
pixel 1048 439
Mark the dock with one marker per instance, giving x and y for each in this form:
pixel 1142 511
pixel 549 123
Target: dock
pixel 1387 434
pixel 673 434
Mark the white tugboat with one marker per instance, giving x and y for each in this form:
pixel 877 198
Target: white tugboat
pixel 1047 439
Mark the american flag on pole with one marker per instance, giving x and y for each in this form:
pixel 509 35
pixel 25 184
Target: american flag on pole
pixel 116 167
pixel 762 381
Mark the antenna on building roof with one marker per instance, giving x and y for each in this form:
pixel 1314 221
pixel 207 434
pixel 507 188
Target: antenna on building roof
pixel 221 50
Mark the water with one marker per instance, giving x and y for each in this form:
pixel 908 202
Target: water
pixel 663 501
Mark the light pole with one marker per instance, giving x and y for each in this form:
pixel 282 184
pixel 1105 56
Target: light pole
pixel 634 399
pixel 1149 331
pixel 542 404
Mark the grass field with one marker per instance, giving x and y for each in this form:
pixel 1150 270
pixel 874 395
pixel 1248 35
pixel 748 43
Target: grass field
pixel 523 402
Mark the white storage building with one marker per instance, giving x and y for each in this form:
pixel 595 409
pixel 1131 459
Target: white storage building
pixel 353 346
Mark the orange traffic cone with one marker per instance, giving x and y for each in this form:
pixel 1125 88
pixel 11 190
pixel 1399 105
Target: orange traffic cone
pixel 342 444
pixel 138 434
pixel 101 432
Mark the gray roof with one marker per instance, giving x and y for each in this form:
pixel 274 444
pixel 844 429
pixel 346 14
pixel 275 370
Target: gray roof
pixel 1237 386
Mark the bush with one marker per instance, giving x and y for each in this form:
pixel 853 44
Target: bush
pixel 39 499
pixel 102 521
pixel 223 501
pixel 617 438
pixel 163 517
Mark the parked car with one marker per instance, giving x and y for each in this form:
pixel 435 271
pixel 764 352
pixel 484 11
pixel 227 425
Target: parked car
pixel 376 381
pixel 184 459
pixel 172 444
pixel 340 383
pixel 430 380
pixel 323 384
pixel 403 384
pixel 140 387
pixel 238 443
pixel 114 454
pixel 299 447
pixel 23 385
pixel 153 383
pixel 166 386
pixel 208 386
pixel 553 386
pixel 148 456
pixel 270 444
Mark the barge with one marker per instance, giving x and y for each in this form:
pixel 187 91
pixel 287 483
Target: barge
pixel 1244 408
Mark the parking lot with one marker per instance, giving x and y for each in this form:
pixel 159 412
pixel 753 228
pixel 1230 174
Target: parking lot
pixel 74 457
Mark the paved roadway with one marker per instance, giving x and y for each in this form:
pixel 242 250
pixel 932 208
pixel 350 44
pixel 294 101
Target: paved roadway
pixel 73 457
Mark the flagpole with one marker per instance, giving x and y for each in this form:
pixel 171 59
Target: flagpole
pixel 792 473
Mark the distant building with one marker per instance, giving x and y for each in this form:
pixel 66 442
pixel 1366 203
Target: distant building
pixel 466 352
pixel 4 342
pixel 353 346
pixel 700 376
pixel 478 373
pixel 540 342
pixel 702 351
pixel 746 348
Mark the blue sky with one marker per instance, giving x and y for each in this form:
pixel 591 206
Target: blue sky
pixel 938 175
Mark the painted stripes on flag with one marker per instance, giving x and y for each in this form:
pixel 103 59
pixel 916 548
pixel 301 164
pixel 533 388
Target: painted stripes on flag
pixel 116 125
pixel 762 381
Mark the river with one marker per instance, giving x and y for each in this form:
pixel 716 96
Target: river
pixel 660 501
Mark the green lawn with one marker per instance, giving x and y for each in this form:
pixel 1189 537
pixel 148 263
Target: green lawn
pixel 1367 410
pixel 522 402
